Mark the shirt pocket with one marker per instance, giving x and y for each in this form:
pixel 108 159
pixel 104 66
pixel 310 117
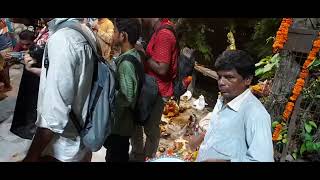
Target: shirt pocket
pixel 227 147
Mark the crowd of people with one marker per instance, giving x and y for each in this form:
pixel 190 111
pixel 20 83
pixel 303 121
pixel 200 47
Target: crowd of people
pixel 240 127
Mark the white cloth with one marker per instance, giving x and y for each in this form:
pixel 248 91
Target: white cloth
pixel 239 131
pixel 67 84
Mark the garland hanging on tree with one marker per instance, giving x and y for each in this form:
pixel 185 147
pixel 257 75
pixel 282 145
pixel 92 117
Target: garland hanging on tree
pixel 282 34
pixel 304 73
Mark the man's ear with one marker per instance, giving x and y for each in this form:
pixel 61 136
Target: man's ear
pixel 123 36
pixel 248 80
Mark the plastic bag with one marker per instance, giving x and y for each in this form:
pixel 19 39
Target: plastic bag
pixel 200 103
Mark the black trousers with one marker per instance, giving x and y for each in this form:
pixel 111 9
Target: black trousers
pixel 117 148
pixel 25 112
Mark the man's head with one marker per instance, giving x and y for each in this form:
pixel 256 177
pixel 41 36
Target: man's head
pixel 236 70
pixel 126 31
pixel 149 22
pixel 26 39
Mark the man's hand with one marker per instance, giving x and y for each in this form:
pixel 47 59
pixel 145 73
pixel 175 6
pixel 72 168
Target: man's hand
pixel 29 61
pixel 195 141
pixel 139 48
pixel 29 158
pixel 7 56
pixel 40 141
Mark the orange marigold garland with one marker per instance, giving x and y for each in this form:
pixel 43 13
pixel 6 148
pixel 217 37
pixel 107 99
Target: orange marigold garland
pixel 276 132
pixel 297 87
pixel 282 34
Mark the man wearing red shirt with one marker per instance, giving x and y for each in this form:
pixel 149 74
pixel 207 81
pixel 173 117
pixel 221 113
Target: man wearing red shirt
pixel 161 63
pixel 26 40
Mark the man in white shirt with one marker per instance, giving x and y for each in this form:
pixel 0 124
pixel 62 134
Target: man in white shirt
pixel 65 85
pixel 240 126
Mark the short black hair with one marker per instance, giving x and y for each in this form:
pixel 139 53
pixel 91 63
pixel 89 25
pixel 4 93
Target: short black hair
pixel 27 35
pixel 131 26
pixel 239 60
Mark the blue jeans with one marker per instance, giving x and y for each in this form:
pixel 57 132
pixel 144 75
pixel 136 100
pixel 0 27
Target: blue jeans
pixel 5 41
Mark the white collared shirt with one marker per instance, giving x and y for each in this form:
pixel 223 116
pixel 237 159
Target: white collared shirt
pixel 239 131
pixel 67 84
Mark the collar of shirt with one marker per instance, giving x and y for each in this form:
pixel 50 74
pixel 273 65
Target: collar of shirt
pixel 235 104
pixel 132 51
pixel 53 24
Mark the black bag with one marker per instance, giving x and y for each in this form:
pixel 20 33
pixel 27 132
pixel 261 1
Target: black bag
pixel 147 91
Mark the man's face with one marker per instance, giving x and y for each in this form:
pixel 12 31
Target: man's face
pixel 25 44
pixel 231 84
pixel 118 37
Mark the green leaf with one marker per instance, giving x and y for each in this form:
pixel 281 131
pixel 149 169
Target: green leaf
pixel 307 137
pixel 267 75
pixel 279 137
pixel 294 155
pixel 302 149
pixel 317 96
pixel 275 58
pixel 312 123
pixel 284 141
pixel 315 62
pixel 270 38
pixel 260 64
pixel 267 68
pixel 274 123
pixel 308 127
pixel 259 71
pixel 314 147
pixel 309 146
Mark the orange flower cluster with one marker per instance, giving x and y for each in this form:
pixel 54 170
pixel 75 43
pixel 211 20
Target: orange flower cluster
pixel 276 132
pixel 282 34
pixel 298 86
pixel 288 110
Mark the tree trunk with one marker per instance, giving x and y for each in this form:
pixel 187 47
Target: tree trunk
pixel 284 80
pixel 291 128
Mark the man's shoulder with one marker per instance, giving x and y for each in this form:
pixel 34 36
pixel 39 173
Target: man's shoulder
pixel 68 35
pixel 166 33
pixel 254 106
pixel 125 66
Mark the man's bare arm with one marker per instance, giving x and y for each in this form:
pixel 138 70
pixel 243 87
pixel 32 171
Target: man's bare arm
pixel 42 138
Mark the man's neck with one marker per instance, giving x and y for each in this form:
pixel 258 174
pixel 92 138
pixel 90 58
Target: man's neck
pixel 126 47
pixel 227 100
pixel 156 24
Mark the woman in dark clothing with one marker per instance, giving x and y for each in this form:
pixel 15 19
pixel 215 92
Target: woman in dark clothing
pixel 25 113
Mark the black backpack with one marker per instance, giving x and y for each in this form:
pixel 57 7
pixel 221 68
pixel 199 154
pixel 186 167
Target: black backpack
pixel 147 91
pixel 185 65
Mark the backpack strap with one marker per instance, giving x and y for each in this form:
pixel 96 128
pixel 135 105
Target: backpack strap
pixel 172 29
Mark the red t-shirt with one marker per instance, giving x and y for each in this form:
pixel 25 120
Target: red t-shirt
pixel 162 49
pixel 18 48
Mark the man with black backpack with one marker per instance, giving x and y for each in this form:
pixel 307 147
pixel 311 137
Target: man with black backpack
pixel 64 87
pixel 161 63
pixel 129 75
